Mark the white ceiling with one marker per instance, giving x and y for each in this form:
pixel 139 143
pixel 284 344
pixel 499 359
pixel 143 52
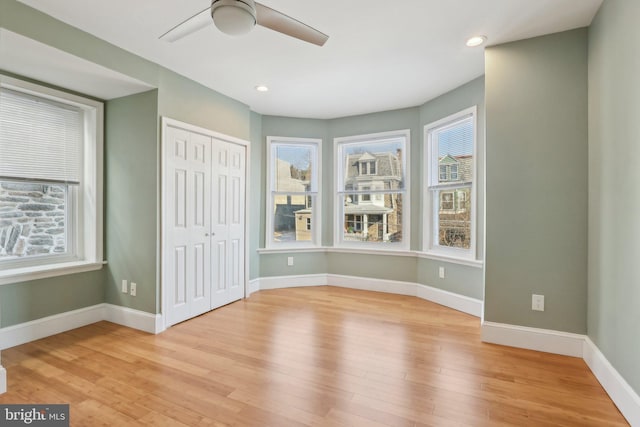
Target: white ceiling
pixel 381 55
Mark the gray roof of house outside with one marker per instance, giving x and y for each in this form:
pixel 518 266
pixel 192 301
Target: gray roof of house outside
pixel 387 165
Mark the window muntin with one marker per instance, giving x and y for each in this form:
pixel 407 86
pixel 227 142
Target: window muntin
pixel 370 208
pixel 60 162
pixel 450 169
pixel 294 174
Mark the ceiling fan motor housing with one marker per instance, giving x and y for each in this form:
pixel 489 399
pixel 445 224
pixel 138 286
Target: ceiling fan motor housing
pixel 234 17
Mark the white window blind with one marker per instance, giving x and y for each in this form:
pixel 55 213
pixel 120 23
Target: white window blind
pixel 40 139
pixel 452 147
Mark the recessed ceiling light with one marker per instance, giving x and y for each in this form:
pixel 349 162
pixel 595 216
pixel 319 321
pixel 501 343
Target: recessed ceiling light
pixel 262 88
pixel 476 41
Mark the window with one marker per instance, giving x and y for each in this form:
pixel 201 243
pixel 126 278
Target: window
pixel 50 179
pixel 444 176
pixel 446 201
pixel 293 218
pixel 372 207
pixel 367 165
pixel 453 172
pixel 366 197
pixel 450 175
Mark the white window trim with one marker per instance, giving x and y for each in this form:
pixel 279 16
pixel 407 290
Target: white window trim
pixel 338 219
pixel 429 210
pixel 89 220
pixel 316 208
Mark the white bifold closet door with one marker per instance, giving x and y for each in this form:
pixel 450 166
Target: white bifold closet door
pixel 203 224
pixel 227 250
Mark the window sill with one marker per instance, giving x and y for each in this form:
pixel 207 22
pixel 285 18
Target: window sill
pixel 289 249
pixel 452 259
pixel 16 275
pixel 361 250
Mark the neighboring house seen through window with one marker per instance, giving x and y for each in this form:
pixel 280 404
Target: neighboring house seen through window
pixel 293 218
pixel 450 168
pixel 372 190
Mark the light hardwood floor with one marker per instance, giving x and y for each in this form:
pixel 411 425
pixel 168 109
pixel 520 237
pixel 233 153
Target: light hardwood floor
pixel 306 357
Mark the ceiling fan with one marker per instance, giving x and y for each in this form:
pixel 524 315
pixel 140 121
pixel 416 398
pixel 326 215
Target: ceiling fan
pixel 237 17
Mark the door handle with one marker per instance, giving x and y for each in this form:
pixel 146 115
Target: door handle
pixel 209 234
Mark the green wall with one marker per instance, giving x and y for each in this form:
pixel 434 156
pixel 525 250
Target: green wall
pixel 536 162
pixel 614 199
pixel 256 202
pixel 182 99
pixel 26 301
pixel 131 199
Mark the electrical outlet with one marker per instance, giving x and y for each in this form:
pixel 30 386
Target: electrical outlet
pixel 290 261
pixel 441 272
pixel 125 289
pixel 537 302
pixel 133 289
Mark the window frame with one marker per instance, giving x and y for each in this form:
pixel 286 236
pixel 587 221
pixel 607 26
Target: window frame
pixel 340 191
pixel 85 212
pixel 316 210
pixel 431 203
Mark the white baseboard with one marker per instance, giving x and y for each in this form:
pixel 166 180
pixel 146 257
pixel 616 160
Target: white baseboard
pixel 23 333
pixel 253 286
pixel 375 285
pixel 3 380
pixel 448 299
pixel 281 282
pixel 568 344
pixel 564 343
pixel 458 302
pixel 135 319
pixel 12 336
pixel 625 398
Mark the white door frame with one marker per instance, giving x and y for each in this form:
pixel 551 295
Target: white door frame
pixel 167 122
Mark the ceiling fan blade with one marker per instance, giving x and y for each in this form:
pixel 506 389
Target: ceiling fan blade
pixel 188 26
pixel 284 24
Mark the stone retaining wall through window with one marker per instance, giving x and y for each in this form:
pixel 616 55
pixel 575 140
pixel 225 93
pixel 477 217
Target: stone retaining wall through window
pixel 32 219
